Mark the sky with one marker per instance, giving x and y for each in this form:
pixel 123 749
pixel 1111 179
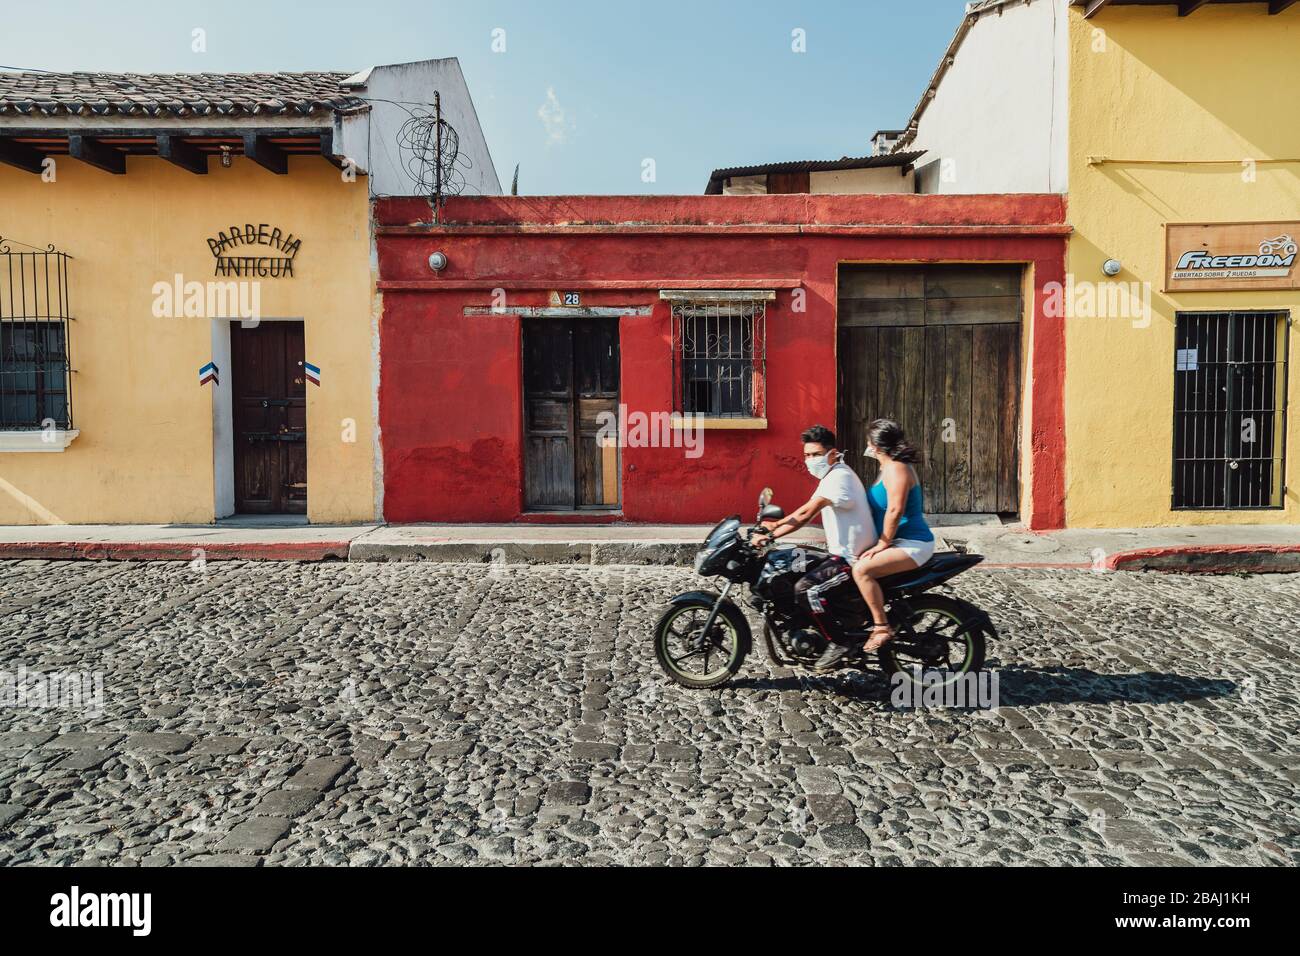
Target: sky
pixel 583 92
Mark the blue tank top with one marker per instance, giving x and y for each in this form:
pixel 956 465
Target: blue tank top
pixel 911 526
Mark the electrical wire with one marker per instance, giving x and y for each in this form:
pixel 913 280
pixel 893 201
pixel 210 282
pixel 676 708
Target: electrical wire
pixel 436 173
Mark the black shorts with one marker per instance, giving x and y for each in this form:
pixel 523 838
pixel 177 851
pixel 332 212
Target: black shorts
pixel 829 594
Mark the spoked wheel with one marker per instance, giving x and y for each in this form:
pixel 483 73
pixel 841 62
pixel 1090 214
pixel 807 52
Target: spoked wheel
pixel 693 658
pixel 937 644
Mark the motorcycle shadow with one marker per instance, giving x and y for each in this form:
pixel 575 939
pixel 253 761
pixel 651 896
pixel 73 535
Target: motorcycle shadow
pixel 1020 686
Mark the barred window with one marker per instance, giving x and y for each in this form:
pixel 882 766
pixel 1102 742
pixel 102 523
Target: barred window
pixel 719 353
pixel 1230 381
pixel 34 369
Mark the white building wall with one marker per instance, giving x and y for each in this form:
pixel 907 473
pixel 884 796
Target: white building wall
pixel 373 139
pixel 998 122
pixel 882 179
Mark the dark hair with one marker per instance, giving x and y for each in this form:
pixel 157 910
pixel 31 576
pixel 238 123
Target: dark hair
pixel 819 434
pixel 887 435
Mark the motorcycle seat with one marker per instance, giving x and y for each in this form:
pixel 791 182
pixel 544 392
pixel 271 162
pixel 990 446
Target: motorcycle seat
pixel 939 568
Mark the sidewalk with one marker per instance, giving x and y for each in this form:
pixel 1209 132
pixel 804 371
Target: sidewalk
pixel 1208 549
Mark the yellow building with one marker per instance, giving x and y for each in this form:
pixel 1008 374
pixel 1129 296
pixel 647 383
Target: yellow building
pixel 188 322
pixel 1172 128
pixel 1185 140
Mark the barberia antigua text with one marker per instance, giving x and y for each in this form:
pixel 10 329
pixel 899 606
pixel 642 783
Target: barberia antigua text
pixel 227 246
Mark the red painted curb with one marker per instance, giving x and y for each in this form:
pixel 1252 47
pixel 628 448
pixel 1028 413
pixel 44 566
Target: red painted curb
pixel 1210 558
pixel 170 551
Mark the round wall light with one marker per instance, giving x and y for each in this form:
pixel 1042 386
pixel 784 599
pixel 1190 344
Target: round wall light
pixel 438 262
pixel 1112 267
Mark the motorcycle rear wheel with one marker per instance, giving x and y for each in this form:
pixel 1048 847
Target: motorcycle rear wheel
pixel 945 638
pixel 679 639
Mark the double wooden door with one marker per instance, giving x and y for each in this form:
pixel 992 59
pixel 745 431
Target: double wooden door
pixel 571 378
pixel 269 389
pixel 937 349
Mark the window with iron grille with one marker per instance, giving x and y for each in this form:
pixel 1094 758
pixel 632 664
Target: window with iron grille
pixel 34 369
pixel 719 353
pixel 1230 375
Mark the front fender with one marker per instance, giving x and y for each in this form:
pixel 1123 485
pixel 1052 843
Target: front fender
pixel 733 612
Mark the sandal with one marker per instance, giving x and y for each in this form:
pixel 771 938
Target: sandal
pixel 880 640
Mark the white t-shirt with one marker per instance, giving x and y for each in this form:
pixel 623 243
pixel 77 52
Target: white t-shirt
pixel 847 522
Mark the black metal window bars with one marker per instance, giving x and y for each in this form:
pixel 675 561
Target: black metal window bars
pixel 1230 384
pixel 35 374
pixel 719 353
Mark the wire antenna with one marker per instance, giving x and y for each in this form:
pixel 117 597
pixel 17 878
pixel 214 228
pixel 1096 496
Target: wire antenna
pixel 430 153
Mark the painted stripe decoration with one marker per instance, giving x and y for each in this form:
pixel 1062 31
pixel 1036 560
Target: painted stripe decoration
pixel 313 373
pixel 209 374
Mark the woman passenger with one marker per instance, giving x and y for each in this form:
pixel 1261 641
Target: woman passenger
pixel 905 540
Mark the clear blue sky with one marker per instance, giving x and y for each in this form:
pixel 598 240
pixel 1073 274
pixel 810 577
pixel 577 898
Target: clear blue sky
pixel 584 91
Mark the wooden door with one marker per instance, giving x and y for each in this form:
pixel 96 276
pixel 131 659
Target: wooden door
pixel 269 390
pixel 938 350
pixel 571 377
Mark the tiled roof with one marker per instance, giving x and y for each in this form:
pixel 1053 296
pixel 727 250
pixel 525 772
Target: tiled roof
pixel 173 94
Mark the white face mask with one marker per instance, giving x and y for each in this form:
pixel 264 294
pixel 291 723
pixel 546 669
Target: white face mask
pixel 819 466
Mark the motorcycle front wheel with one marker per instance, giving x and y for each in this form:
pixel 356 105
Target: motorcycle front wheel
pixel 691 657
pixel 939 642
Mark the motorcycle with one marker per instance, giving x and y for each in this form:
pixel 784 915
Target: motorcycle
pixel 702 638
pixel 1282 245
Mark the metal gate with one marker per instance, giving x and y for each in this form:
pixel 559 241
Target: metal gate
pixel 1229 410
pixel 35 388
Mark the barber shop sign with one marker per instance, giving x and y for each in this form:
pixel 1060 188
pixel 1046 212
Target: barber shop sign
pixel 254 251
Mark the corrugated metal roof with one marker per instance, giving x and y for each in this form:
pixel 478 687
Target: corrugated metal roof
pixel 810 166
pixel 173 94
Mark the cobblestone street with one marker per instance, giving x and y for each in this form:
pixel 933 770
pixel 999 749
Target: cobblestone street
pixel 353 713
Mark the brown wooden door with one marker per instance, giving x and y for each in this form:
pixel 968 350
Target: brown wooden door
pixel 270 418
pixel 938 350
pixel 571 369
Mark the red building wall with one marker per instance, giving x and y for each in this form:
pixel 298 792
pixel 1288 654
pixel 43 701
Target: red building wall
pixel 450 387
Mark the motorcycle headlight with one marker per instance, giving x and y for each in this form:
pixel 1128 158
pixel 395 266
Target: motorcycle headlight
pixel 700 558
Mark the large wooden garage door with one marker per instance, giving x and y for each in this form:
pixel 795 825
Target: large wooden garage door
pixel 938 349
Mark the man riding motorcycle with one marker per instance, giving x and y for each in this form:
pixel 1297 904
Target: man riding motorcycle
pixel 841 500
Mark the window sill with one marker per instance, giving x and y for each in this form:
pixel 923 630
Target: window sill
pixel 701 421
pixel 28 441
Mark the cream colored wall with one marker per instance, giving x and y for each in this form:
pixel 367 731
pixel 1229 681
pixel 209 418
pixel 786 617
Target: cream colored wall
pixel 881 179
pixel 1218 85
pixel 145 452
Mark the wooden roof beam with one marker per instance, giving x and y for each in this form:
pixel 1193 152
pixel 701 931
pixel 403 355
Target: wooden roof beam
pixel 266 154
pixel 185 155
pixel 1093 7
pixel 92 152
pixel 21 156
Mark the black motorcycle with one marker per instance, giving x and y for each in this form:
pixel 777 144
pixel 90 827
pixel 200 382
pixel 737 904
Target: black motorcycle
pixel 702 639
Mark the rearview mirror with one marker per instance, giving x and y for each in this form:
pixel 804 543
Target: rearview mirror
pixel 764 498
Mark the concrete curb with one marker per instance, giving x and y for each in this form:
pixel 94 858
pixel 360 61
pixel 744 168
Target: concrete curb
pixel 1210 559
pixel 173 551
pixel 658 553
pixel 1178 559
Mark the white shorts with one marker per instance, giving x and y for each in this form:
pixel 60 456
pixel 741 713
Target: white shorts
pixel 918 551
